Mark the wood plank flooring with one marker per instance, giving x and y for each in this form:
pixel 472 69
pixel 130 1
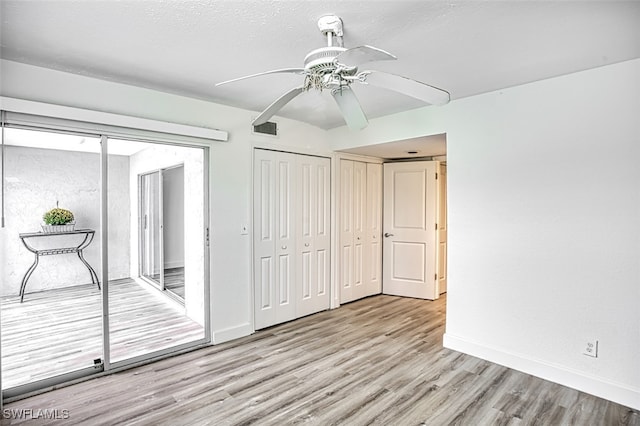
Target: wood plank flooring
pixel 379 360
pixel 174 281
pixel 58 331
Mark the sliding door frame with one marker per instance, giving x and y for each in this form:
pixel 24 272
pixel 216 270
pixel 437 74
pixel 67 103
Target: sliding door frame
pixel 104 365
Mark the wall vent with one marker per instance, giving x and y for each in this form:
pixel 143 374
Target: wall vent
pixel 268 128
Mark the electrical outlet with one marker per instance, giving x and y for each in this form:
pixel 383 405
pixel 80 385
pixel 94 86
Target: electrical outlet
pixel 591 348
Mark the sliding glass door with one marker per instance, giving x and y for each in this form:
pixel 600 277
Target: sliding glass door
pixel 127 280
pixel 50 271
pixel 159 305
pixel 162 229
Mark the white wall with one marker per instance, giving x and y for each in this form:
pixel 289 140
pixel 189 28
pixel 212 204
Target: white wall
pixel 34 180
pixel 544 224
pixel 230 167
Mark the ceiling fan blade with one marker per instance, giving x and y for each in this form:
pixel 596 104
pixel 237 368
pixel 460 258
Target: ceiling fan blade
pixel 283 70
pixel 359 55
pixel 415 89
pixel 350 108
pixel 276 106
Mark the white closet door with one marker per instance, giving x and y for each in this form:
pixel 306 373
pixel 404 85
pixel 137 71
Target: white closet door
pixel 274 242
pixel 373 231
pixel 312 259
pixel 346 232
pixel 360 230
pixel 359 223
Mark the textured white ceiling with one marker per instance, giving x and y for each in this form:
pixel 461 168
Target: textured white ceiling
pixel 185 47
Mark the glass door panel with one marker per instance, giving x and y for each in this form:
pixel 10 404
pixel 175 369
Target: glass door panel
pixel 50 294
pixel 151 227
pixel 157 300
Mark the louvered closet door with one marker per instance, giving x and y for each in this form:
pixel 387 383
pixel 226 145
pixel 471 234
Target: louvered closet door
pixel 274 239
pixel 312 259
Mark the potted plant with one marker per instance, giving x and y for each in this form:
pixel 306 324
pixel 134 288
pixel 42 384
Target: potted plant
pixel 58 220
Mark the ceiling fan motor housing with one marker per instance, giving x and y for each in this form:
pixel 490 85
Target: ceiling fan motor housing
pixel 321 61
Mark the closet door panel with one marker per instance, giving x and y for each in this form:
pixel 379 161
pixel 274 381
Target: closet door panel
pixel 360 259
pixel 346 231
pixel 323 235
pixel 359 225
pixel 373 232
pixel 264 193
pixel 285 245
pixel 313 235
pixel 274 237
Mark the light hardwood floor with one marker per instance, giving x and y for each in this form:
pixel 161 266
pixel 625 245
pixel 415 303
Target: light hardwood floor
pixel 54 332
pixel 174 281
pixel 375 361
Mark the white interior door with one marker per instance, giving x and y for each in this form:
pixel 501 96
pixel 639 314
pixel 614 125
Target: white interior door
pixel 410 229
pixel 313 237
pixel 274 242
pixel 442 229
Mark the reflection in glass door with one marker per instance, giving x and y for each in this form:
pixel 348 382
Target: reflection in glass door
pixel 158 298
pixel 151 244
pixel 162 229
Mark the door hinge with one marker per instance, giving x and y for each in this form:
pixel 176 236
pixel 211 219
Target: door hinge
pixel 436 226
pixel 435 277
pixel 206 238
pixel 436 176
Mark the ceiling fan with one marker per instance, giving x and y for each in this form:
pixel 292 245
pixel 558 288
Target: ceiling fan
pixel 335 68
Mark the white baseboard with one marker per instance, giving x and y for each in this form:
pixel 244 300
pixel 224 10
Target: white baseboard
pixel 575 379
pixel 231 333
pixel 174 264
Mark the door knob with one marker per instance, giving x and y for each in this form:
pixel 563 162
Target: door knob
pixel 284 247
pixel 387 235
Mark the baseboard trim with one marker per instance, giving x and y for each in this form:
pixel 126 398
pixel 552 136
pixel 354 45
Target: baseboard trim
pixel 575 379
pixel 232 333
pixel 173 265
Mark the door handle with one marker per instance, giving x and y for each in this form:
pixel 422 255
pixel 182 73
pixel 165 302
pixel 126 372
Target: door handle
pixel 387 235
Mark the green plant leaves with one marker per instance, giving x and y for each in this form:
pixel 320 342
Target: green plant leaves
pixel 58 216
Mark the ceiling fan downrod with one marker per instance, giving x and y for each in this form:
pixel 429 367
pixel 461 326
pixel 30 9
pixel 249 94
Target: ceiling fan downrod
pixel 331 25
